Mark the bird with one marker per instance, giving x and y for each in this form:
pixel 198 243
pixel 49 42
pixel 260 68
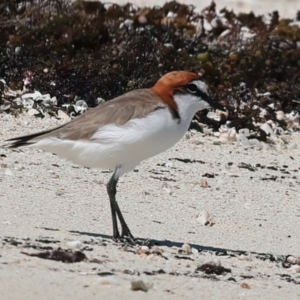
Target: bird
pixel 122 132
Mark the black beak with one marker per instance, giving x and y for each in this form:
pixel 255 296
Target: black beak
pixel 214 104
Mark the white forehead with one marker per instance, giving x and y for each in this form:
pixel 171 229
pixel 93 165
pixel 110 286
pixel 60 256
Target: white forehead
pixel 201 85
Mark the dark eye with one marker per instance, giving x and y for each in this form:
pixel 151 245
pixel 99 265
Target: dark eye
pixel 192 88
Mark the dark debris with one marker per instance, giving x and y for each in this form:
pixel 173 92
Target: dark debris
pixel 92 50
pixel 66 256
pixel 211 268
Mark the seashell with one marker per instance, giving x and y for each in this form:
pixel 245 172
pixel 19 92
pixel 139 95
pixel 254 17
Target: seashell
pixel 139 285
pixel 18 101
pixel 267 128
pixel 280 115
pixel 145 248
pixel 204 183
pixel 47 101
pixel 186 248
pixel 205 218
pixel 272 105
pixel 242 139
pixel 279 131
pixel 28 103
pixel 194 250
pixel 245 285
pixel 126 23
pixel 32 112
pixel 263 113
pixel 99 100
pixel 267 94
pixel 214 116
pixel 5 107
pixel 225 33
pixel 244 257
pixel 62 115
pixel 207 131
pixel 223 128
pixel 169 45
pixel 32 96
pixel 74 245
pixel 224 138
pixel 187 135
pixel 293 260
pixel 246 33
pixel 272 124
pixel 43 98
pixel 232 134
pixel 171 15
pixel 244 131
pixel 80 106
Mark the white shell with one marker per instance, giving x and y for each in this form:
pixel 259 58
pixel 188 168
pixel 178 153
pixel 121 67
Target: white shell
pixel 267 128
pixel 204 218
pixel 242 139
pixel 280 115
pixel 186 248
pixel 80 106
pixel 214 116
pixel 74 245
pixel 244 131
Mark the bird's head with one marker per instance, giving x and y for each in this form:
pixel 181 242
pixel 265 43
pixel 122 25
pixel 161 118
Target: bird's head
pixel 184 92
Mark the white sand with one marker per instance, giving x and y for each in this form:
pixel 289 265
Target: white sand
pixel 286 8
pixel 39 191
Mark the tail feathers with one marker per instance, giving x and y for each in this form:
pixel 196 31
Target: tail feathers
pixel 21 141
pixel 27 140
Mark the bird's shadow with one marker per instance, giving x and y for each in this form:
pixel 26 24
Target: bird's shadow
pixel 215 250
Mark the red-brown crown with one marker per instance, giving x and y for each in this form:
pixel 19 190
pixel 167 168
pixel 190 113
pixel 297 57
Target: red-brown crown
pixel 167 84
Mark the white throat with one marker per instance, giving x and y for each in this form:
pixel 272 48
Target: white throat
pixel 188 105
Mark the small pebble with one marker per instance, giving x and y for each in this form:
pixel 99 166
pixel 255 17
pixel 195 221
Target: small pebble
pixel 74 244
pixel 186 248
pixel 139 285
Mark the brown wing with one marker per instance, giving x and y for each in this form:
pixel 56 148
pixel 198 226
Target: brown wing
pixel 132 105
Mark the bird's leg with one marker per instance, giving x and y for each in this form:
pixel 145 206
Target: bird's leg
pixel 111 191
pixel 115 210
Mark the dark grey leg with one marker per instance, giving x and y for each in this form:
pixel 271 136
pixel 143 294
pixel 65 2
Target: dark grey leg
pixel 111 190
pixel 115 210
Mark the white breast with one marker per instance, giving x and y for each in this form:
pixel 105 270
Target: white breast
pixel 125 146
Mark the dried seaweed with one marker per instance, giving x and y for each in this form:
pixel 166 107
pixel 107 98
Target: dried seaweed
pixel 88 50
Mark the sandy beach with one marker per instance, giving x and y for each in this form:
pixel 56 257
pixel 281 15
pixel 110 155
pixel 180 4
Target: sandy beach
pixel 286 9
pixel 253 196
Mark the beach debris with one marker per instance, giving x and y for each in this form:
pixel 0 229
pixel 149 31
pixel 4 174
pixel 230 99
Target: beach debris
pixel 245 285
pixel 294 260
pixel 213 268
pixel 145 251
pixel 185 249
pixel 204 218
pixel 140 285
pixel 204 183
pixel 292 263
pixel 74 245
pixel 65 256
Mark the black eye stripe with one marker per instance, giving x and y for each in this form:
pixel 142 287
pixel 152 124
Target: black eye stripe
pixel 203 95
pixel 193 89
